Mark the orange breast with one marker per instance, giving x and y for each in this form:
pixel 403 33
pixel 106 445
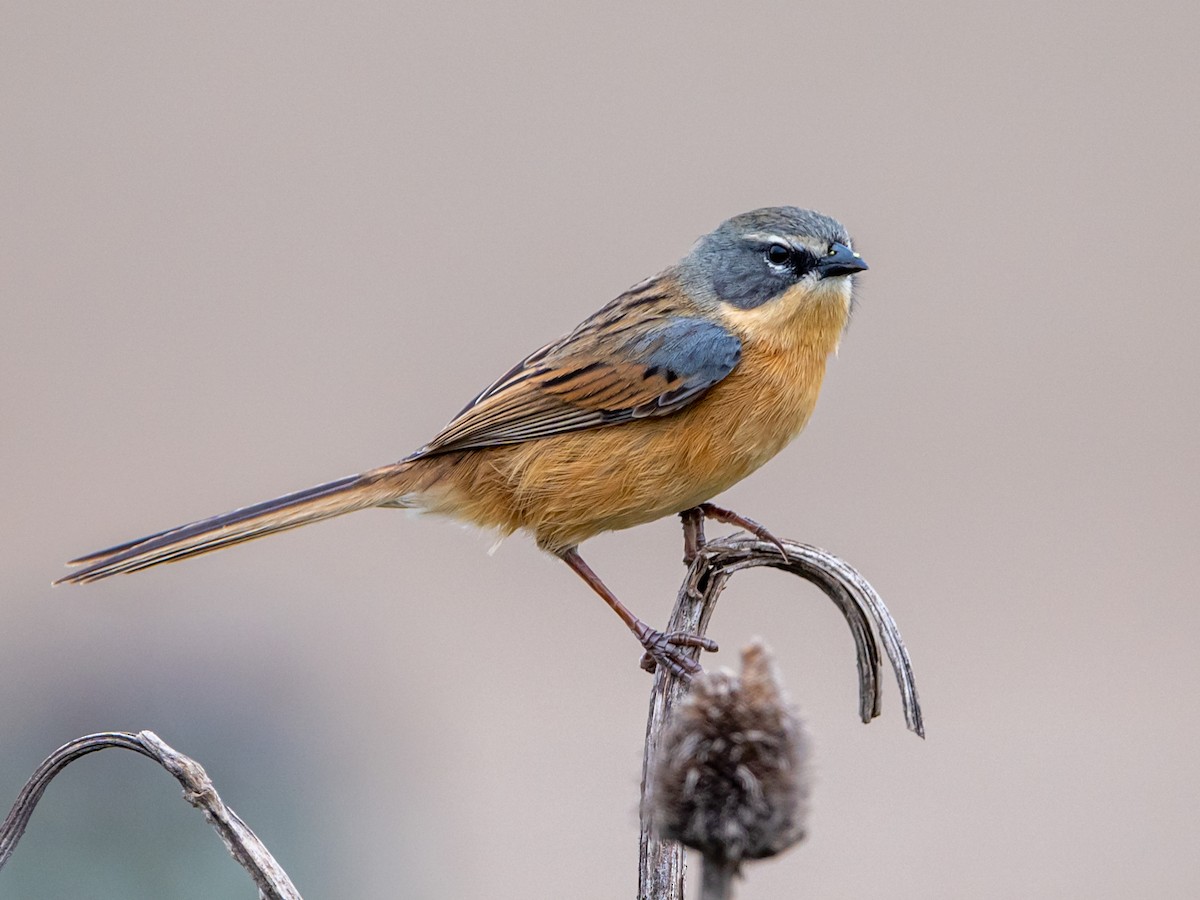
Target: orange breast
pixel 567 488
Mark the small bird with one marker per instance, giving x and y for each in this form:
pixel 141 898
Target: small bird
pixel 672 393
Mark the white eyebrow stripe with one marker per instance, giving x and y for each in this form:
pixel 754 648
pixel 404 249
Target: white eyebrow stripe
pixel 767 236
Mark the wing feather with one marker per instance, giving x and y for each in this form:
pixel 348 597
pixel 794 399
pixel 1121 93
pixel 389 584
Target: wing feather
pixel 615 367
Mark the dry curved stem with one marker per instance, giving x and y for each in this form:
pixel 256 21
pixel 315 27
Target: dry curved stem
pixel 661 862
pixel 273 882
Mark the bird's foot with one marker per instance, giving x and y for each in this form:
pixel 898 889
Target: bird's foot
pixel 662 648
pixel 729 517
pixel 668 649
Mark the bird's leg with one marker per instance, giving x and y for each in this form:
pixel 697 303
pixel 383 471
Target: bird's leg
pixel 661 648
pixel 693 533
pixel 729 517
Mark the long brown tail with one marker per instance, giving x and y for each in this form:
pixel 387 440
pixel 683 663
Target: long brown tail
pixel 379 486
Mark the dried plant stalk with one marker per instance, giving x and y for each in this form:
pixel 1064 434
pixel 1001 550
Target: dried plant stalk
pixel 661 861
pixel 272 881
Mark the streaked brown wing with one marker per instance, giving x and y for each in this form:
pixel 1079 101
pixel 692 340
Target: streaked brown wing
pixel 637 357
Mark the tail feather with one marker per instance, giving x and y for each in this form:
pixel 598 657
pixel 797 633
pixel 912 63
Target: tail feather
pixel 289 511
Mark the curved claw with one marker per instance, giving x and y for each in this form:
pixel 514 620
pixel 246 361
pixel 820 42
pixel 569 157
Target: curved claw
pixel 729 517
pixel 662 648
pixel 760 532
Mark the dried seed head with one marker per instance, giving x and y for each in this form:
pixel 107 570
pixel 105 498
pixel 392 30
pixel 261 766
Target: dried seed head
pixel 730 778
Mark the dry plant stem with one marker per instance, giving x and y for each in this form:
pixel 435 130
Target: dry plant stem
pixel 273 883
pixel 661 862
pixel 716 881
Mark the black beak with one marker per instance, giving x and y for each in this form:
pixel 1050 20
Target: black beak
pixel 841 261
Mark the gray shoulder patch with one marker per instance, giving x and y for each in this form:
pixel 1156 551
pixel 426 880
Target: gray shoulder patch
pixel 693 348
pixel 691 354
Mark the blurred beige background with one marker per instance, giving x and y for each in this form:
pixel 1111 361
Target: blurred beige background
pixel 251 247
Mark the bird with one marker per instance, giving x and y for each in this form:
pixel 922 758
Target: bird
pixel 670 394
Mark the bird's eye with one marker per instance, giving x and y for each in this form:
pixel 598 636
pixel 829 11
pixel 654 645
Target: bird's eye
pixel 779 255
pixel 832 251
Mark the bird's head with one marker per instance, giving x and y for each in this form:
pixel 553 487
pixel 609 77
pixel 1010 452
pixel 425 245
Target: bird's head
pixel 769 264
